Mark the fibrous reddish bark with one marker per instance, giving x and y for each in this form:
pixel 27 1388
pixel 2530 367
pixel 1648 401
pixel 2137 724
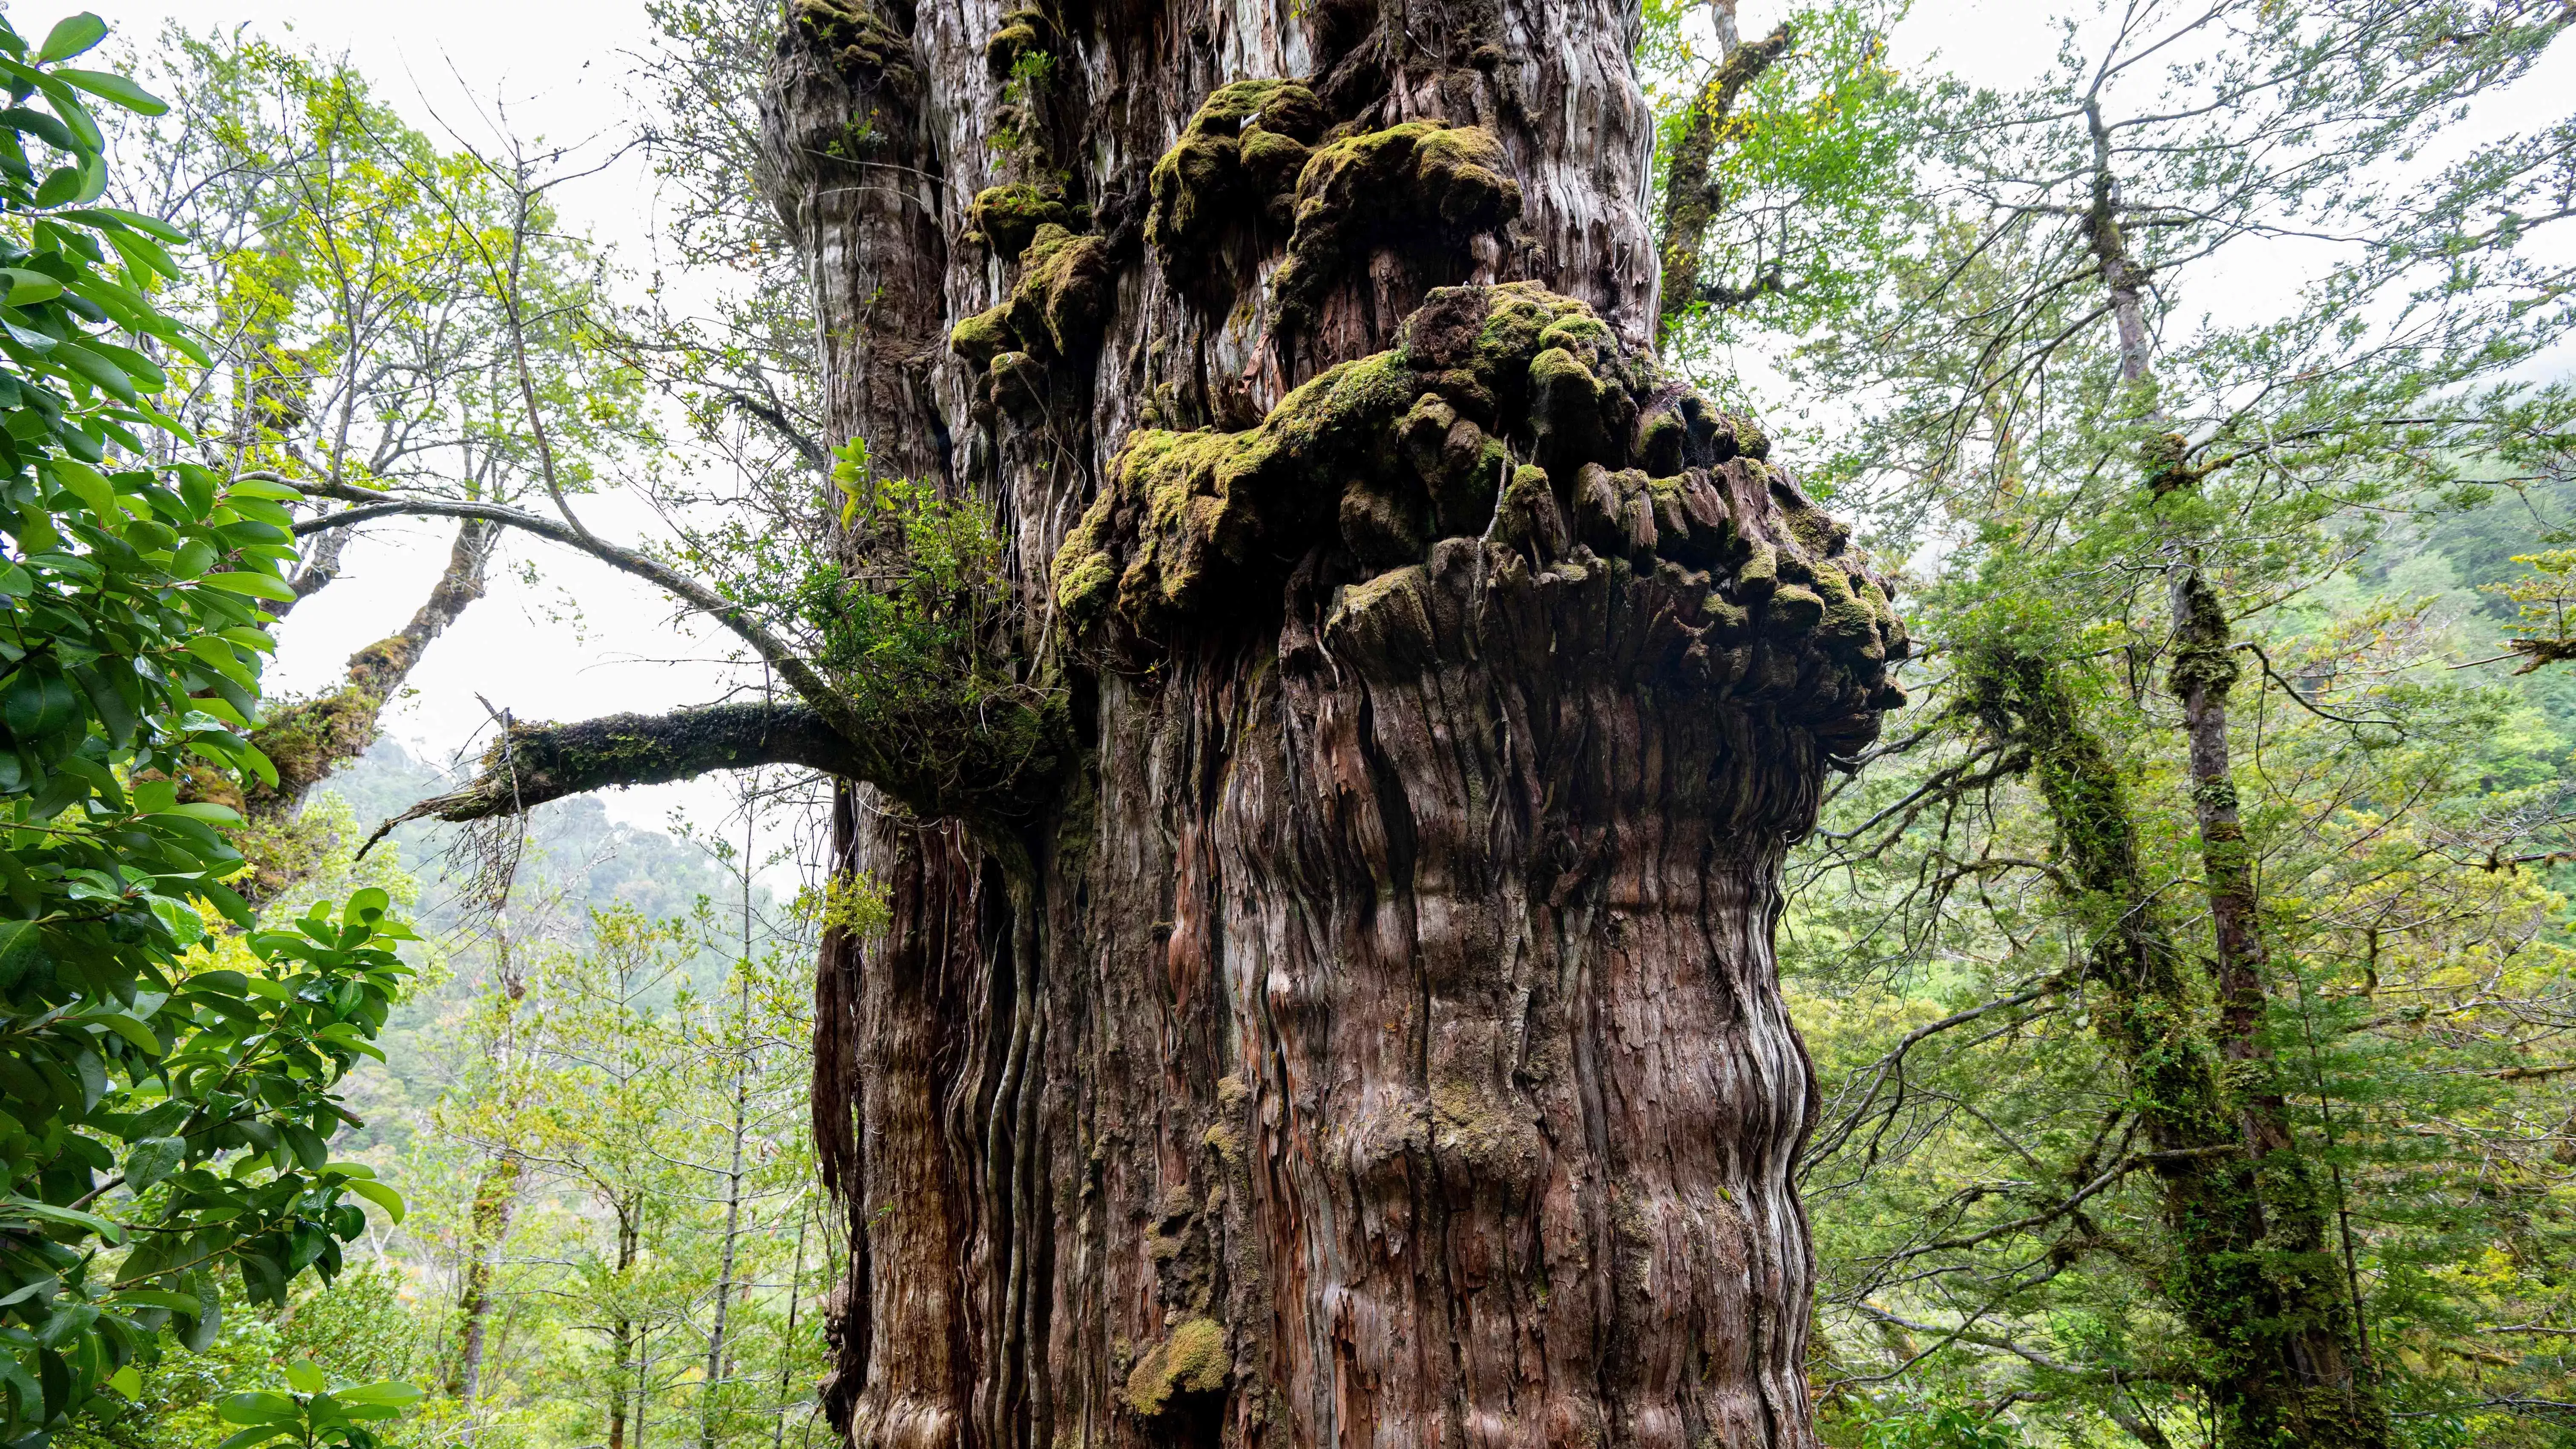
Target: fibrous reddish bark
pixel 1373 1038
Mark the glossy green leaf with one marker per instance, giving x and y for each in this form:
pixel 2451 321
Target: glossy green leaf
pixel 71 35
pixel 115 88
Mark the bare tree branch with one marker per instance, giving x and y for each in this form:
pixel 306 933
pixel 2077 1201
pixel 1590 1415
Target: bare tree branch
pixel 791 666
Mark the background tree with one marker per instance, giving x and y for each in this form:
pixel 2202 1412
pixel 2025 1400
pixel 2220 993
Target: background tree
pixel 382 311
pixel 2130 512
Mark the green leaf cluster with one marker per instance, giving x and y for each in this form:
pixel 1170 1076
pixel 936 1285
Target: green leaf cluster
pixel 162 1091
pixel 315 1412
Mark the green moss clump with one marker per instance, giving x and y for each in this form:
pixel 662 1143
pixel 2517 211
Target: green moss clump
pixel 1062 293
pixel 1240 155
pixel 860 41
pixel 1009 216
pixel 1025 31
pixel 1759 574
pixel 1510 415
pixel 1848 619
pixel 1528 519
pixel 1052 316
pixel 1794 609
pixel 980 337
pixel 1191 1360
pixel 1419 186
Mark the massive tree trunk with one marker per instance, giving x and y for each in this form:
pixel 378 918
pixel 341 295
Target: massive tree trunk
pixel 1371 1033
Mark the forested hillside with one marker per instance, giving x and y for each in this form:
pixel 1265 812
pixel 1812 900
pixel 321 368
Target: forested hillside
pixel 1486 723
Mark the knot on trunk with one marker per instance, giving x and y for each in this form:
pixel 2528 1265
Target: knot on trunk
pixel 1507 416
pixel 1260 150
pixel 860 43
pixel 1239 156
pixel 1051 319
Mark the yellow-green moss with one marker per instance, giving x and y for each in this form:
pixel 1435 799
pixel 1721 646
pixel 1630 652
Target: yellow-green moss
pixel 1419 185
pixel 1795 608
pixel 1759 574
pixel 1239 156
pixel 1063 288
pixel 1190 1360
pixel 1053 314
pixel 979 337
pixel 1505 413
pixel 1025 31
pixel 1847 619
pixel 1009 216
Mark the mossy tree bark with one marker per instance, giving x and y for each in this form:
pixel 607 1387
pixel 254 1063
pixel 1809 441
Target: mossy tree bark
pixel 1364 1029
pixel 2249 1270
pixel 1377 1041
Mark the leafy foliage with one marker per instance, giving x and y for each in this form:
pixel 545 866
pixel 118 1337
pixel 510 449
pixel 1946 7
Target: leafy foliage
pixel 133 642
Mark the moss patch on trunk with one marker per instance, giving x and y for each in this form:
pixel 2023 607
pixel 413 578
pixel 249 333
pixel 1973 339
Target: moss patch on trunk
pixel 1192 1360
pixel 1505 414
pixel 1052 316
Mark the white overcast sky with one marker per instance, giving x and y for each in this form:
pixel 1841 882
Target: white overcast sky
pixel 559 68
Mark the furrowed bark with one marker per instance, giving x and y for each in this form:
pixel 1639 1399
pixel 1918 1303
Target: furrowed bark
pixel 1369 1035
pixel 2249 1272
pixel 1358 1024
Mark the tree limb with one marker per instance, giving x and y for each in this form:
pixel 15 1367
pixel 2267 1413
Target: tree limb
pixel 535 763
pixel 791 666
pixel 1691 198
pixel 787 431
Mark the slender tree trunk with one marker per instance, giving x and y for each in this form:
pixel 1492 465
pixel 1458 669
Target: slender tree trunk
pixel 1375 1037
pixel 2322 1332
pixel 624 1350
pixel 496 1197
pixel 2271 1320
pixel 787 1341
pixel 732 1229
pixel 2258 1283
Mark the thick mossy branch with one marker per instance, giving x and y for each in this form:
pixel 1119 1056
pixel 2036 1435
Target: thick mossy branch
pixel 1691 193
pixel 917 714
pixel 1507 414
pixel 534 763
pixel 307 739
pixel 2255 1286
